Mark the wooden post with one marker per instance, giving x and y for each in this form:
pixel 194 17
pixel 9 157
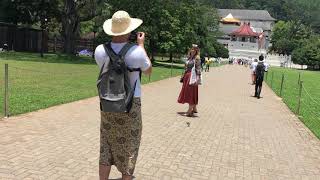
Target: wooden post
pixel 6 91
pixel 281 87
pixel 299 79
pixel 42 42
pixel 299 98
pixel 267 76
pixel 272 79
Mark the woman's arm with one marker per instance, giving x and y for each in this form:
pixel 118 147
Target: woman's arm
pixel 198 66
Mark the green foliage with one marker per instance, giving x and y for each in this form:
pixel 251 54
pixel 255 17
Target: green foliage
pixel 287 36
pixel 172 26
pixel 7 11
pixel 284 46
pixel 27 12
pixel 299 56
pixel 296 39
pixel 221 51
pixel 211 51
pixel 308 53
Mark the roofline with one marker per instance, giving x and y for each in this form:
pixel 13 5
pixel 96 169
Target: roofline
pixel 273 19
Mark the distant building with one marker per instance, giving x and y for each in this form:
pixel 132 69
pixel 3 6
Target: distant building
pixel 245 29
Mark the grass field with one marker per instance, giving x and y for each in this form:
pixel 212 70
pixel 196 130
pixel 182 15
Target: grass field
pixel 37 83
pixel 310 101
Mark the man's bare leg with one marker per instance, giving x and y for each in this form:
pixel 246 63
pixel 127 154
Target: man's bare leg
pixel 104 172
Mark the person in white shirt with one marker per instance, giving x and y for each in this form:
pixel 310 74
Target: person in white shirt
pixel 266 65
pixel 120 133
pixel 253 67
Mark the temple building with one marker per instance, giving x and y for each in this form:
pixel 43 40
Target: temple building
pixel 245 29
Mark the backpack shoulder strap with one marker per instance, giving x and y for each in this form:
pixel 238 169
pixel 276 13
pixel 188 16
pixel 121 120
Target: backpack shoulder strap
pixel 109 51
pixel 113 55
pixel 125 49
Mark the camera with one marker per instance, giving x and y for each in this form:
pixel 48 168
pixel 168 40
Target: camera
pixel 133 36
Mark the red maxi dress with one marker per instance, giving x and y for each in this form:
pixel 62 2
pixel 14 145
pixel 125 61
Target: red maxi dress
pixel 189 93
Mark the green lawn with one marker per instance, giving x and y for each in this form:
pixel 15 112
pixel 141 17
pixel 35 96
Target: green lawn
pixel 310 101
pixel 36 83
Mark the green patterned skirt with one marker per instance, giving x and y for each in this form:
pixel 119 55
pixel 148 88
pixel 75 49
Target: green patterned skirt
pixel 120 135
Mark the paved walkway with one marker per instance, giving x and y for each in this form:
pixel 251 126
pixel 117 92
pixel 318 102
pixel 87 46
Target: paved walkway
pixel 226 141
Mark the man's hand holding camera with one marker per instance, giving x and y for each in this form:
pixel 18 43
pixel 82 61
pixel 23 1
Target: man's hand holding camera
pixel 140 38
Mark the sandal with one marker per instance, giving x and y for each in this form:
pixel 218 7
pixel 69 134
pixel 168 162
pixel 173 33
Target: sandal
pixel 190 114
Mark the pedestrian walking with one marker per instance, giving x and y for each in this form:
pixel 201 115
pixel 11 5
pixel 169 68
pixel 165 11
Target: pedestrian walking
pixel 191 80
pixel 253 71
pixel 119 90
pixel 208 62
pixel 261 57
pixel 260 69
pixel 203 60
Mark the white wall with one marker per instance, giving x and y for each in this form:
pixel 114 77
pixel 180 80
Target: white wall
pixel 282 61
pixel 243 45
pixel 265 25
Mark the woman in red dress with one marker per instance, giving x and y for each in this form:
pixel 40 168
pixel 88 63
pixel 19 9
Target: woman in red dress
pixel 189 92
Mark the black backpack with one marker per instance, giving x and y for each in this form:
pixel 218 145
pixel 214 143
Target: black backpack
pixel 260 70
pixel 115 91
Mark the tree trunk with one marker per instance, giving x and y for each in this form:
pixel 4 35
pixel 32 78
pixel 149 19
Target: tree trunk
pixel 171 56
pixel 70 27
pixel 152 49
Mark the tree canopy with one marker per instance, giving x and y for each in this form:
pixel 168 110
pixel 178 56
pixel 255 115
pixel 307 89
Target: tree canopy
pixel 294 38
pixel 171 26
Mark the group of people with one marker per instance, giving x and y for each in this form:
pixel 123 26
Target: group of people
pixel 244 62
pixel 121 64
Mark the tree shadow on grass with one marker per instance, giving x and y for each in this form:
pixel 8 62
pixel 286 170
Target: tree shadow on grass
pixel 168 66
pixel 48 58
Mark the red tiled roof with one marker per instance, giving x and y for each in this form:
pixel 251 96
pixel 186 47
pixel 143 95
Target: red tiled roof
pixel 244 30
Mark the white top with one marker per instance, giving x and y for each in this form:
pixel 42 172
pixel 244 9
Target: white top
pixel 254 66
pixel 135 58
pixel 266 66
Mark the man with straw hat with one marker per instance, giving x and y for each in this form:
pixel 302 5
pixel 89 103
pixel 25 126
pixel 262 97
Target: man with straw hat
pixel 120 132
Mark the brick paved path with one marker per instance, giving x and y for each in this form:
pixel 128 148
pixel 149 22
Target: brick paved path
pixel 226 141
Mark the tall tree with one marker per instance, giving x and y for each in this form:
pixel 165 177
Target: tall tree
pixel 287 36
pixel 308 53
pixel 71 14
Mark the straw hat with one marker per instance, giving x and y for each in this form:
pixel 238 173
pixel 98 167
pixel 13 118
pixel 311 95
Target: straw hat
pixel 121 24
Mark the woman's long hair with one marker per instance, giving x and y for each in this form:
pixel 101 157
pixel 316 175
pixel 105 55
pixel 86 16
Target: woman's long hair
pixel 196 56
